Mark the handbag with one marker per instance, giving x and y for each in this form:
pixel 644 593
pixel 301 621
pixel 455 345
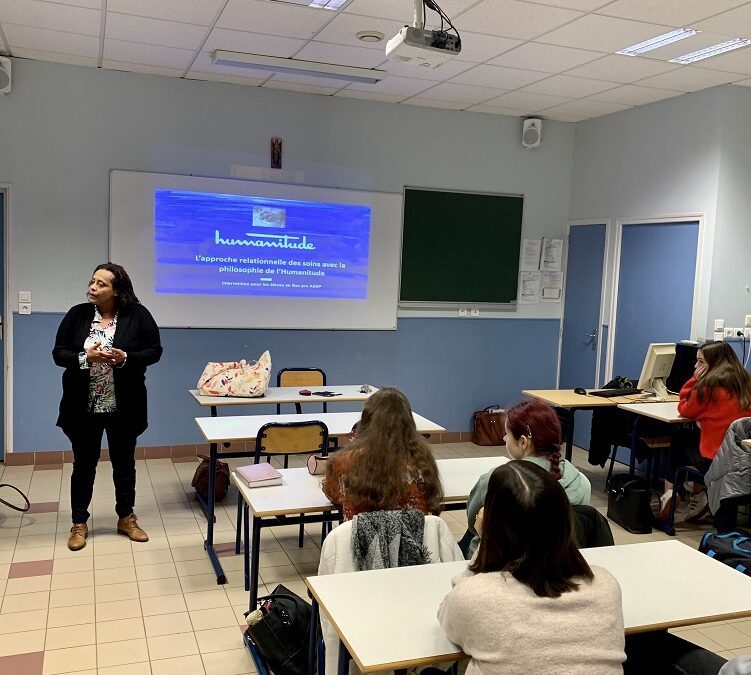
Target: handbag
pixel 629 503
pixel 489 426
pixel 236 378
pixel 317 465
pixel 731 548
pixel 282 633
pixel 201 479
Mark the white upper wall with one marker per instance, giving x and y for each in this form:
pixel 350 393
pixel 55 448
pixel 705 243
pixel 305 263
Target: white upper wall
pixel 65 127
pixel 660 160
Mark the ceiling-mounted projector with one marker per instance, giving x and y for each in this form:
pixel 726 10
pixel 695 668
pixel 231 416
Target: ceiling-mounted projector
pixel 421 47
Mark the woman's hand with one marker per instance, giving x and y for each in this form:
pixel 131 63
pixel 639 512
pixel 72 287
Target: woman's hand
pixel 478 521
pixel 700 371
pixel 96 355
pixel 118 355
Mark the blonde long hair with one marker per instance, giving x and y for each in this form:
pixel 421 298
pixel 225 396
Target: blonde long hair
pixel 386 441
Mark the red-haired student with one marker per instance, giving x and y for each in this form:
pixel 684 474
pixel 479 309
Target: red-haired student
pixel 533 433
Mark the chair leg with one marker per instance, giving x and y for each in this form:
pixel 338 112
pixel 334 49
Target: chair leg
pixel 286 461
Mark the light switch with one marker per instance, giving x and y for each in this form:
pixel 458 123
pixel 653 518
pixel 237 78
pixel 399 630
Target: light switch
pixel 24 296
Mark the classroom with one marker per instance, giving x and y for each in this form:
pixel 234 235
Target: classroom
pixel 76 113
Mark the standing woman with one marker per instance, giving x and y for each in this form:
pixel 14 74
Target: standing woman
pixel 105 345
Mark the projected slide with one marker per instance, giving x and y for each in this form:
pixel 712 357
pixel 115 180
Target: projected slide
pixel 223 244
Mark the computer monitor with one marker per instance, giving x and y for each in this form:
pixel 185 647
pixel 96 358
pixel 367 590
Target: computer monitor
pixel 656 368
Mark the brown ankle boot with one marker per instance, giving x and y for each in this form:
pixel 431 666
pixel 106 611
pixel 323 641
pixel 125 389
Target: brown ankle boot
pixel 129 527
pixel 78 534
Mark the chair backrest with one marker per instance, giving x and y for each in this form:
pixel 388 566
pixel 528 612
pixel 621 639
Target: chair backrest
pixel 301 377
pixel 591 528
pixel 291 438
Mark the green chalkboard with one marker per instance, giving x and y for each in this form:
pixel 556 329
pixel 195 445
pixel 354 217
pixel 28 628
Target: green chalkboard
pixel 460 247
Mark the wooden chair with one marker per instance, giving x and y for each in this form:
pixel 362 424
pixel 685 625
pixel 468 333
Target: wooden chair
pixel 300 377
pixel 278 438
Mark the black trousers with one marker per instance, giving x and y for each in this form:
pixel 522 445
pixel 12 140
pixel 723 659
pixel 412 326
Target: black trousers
pixel 87 446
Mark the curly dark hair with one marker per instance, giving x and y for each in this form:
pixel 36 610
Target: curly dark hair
pixel 121 284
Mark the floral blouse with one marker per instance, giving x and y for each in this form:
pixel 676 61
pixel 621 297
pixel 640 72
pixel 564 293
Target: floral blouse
pixel 101 382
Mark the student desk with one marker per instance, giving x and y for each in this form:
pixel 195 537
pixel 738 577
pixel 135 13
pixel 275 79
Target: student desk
pixel 566 403
pixel 244 428
pixel 386 619
pixel 300 500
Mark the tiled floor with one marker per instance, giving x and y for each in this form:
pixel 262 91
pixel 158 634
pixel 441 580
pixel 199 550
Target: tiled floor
pixel 123 608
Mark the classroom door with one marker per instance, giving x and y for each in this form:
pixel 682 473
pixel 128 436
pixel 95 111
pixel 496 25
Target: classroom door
pixel 655 297
pixel 2 326
pixel 580 333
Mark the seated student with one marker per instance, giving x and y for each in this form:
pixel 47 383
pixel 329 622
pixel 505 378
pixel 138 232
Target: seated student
pixel 533 433
pixel 718 394
pixel 529 602
pixel 388 465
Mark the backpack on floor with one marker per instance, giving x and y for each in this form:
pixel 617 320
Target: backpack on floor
pixel 731 548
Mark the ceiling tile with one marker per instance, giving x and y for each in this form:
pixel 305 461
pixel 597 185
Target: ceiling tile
pixel 204 64
pixel 252 43
pixel 631 94
pixel 286 85
pixel 403 10
pixel 322 52
pixel 478 48
pixel 448 91
pixel 51 16
pixel 200 12
pixel 154 31
pixel 494 110
pixel 513 19
pixel 736 22
pixel 586 108
pixel 223 77
pixel 150 55
pixel 41 55
pixel 545 58
pixel 90 4
pixel 273 18
pixel 141 68
pixel 602 33
pixel 496 76
pixel 690 78
pixel 678 13
pixel 40 39
pixel 738 61
pixel 444 72
pixel 568 87
pixel 433 103
pixel 527 101
pixel 619 68
pixel 404 86
pixel 580 5
pixel 369 96
pixel 344 28
pixel 561 117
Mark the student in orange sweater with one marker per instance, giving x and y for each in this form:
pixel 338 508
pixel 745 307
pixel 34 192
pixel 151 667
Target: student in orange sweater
pixel 718 394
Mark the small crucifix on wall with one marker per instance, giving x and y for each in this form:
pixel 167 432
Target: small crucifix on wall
pixel 276 153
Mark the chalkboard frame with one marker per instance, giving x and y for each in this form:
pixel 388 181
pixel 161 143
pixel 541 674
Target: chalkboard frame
pixel 503 299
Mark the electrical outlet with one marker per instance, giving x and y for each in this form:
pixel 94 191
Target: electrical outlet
pixel 717 336
pixel 748 321
pixel 24 308
pixel 462 311
pixel 719 324
pixel 475 311
pixel 729 333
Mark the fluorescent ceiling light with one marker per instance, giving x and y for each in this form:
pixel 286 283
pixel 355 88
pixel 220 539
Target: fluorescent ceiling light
pixel 657 42
pixel 327 4
pixel 276 64
pixel 714 50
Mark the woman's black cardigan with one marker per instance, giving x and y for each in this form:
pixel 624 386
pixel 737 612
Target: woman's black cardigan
pixel 136 334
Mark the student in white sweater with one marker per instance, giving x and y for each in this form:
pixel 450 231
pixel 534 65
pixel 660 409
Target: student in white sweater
pixel 529 602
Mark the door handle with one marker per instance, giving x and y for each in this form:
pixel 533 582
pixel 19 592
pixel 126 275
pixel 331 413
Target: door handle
pixel 591 339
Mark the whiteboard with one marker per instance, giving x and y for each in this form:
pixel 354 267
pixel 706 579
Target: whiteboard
pixel 197 250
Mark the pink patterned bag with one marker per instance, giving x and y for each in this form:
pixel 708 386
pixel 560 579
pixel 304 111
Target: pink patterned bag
pixel 236 378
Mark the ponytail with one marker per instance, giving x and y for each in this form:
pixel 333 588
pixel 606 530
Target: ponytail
pixel 555 463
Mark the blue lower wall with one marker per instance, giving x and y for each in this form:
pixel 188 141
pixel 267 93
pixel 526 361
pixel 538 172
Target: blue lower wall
pixel 447 367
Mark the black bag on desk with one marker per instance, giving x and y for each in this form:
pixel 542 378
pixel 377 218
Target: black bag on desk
pixel 629 503
pixel 282 635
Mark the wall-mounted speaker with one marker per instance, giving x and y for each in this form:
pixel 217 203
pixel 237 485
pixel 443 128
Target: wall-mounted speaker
pixel 532 132
pixel 4 75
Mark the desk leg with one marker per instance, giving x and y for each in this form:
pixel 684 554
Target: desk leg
pixel 209 543
pixel 313 639
pixel 344 658
pixel 246 544
pixel 255 551
pixel 566 415
pixel 634 445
